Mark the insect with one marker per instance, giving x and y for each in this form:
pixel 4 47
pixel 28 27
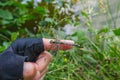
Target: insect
pixel 55 43
pixel 59 42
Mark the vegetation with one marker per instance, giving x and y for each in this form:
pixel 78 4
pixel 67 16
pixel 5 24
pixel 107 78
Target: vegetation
pixel 97 58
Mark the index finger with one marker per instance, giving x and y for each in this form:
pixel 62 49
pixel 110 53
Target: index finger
pixel 49 46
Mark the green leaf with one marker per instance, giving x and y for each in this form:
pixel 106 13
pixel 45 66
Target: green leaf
pixel 7 3
pixel 81 36
pixel 5 14
pixel 49 20
pixel 76 23
pixel 6 44
pixel 2 48
pixel 4 22
pixel 84 14
pixel 103 30
pixel 14 36
pixel 89 58
pixel 41 10
pixel 117 32
pixel 3 37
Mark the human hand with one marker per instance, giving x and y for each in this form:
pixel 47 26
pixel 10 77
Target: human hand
pixel 37 70
pixel 28 59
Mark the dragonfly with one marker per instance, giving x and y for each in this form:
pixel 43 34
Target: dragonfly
pixel 55 43
pixel 59 42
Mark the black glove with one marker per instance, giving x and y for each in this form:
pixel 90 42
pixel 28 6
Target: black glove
pixel 13 58
pixel 29 47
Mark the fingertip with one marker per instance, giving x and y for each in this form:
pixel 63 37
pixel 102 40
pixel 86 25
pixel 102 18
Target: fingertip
pixel 67 44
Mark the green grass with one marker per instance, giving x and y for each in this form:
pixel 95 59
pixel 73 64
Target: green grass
pixel 97 59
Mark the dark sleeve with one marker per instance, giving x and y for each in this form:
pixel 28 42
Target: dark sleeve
pixel 11 65
pixel 29 47
pixel 12 59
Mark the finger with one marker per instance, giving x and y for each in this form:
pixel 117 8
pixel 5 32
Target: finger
pixel 48 45
pixel 41 75
pixel 29 71
pixel 43 60
pixel 36 70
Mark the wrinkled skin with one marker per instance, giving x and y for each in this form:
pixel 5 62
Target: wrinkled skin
pixel 37 70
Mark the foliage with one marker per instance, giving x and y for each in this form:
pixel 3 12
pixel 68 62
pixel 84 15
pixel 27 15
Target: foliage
pixel 96 59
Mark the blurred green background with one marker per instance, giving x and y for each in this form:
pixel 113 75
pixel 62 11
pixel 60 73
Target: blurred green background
pixel 94 24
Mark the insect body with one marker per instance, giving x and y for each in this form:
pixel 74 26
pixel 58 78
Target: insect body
pixel 59 42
